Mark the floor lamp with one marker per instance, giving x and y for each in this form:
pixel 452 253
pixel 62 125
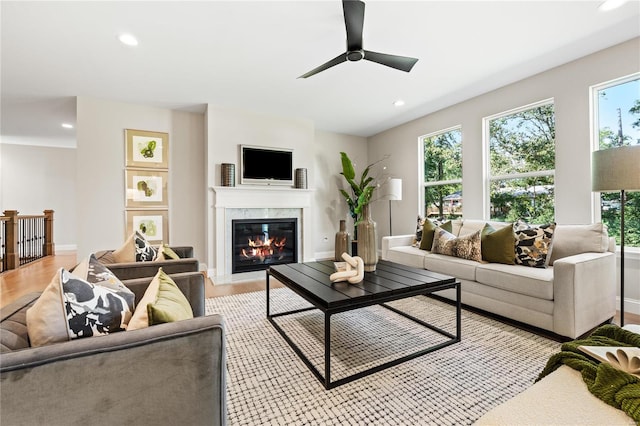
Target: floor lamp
pixel 394 193
pixel 617 169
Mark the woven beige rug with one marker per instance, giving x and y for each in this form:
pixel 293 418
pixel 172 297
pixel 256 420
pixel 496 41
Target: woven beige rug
pixel 269 385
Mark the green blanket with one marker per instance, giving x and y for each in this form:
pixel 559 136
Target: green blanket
pixel 617 388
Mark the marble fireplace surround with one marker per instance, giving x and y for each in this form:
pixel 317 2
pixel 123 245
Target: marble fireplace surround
pixel 258 202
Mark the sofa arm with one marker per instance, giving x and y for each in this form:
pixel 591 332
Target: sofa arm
pixel 170 373
pixel 584 292
pixel 191 284
pixel 395 241
pixel 131 270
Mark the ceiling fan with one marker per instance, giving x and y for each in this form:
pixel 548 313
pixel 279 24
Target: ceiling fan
pixel 354 21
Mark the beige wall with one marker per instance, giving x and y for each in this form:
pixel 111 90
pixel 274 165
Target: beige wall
pixel 330 205
pixel 100 172
pixel 35 178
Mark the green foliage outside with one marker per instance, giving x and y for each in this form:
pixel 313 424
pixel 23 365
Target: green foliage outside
pixel 520 143
pixel 610 201
pixel 443 162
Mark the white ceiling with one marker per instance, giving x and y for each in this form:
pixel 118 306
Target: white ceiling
pixel 248 55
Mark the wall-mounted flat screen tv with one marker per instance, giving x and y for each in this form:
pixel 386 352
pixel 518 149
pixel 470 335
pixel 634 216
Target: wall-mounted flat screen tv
pixel 263 165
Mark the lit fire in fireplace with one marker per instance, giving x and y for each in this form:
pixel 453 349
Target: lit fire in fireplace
pixel 262 250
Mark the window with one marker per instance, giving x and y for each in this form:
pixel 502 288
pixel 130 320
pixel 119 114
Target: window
pixel 522 163
pixel 617 123
pixel 443 174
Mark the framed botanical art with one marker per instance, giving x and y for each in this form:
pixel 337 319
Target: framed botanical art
pixel 146 188
pixel 153 224
pixel 149 150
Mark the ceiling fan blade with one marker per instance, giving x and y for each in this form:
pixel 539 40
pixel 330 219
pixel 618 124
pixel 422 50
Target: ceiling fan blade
pixel 353 21
pixel 403 63
pixel 335 61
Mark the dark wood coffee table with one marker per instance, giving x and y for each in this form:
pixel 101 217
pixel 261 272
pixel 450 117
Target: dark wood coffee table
pixel 390 281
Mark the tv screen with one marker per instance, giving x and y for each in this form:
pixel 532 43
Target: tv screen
pixel 266 166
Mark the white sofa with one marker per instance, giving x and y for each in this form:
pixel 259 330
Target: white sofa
pixel 576 293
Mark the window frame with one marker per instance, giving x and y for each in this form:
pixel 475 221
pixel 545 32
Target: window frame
pixel 486 163
pixel 421 178
pixel 596 208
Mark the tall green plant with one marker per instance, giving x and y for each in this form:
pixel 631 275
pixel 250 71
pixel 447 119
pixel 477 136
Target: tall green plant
pixel 362 191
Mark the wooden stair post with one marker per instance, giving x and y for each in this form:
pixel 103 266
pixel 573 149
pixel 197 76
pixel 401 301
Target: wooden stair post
pixel 49 246
pixel 11 242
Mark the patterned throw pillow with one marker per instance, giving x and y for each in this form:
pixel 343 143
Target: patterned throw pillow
pixel 419 226
pixel 71 307
pixel 533 244
pixel 429 229
pixel 135 249
pixel 465 247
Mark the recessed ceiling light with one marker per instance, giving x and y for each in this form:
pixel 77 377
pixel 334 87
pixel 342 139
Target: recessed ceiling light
pixel 128 39
pixel 398 103
pixel 67 125
pixel 611 4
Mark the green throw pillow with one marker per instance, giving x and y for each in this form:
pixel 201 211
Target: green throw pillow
pixel 429 229
pixel 498 246
pixel 170 304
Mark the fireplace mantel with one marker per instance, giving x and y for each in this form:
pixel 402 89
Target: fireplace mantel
pixel 226 200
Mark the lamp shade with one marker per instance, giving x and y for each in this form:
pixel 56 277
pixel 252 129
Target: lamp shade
pixel 616 169
pixel 394 190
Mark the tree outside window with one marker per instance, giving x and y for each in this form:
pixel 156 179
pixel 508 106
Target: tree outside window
pixel 443 174
pixel 522 164
pixel 618 109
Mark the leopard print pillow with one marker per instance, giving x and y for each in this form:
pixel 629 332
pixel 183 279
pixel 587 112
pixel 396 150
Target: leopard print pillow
pixel 465 247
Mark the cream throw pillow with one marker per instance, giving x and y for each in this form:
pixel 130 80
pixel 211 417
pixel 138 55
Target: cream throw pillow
pixel 140 318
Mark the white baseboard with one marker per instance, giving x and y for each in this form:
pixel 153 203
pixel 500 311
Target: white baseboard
pixel 66 247
pixel 324 255
pixel 631 306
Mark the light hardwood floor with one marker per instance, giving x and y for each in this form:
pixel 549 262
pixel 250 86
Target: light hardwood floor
pixel 36 275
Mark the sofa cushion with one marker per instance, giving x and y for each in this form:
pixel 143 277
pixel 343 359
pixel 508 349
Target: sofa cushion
pixel 457 267
pixel 533 244
pixel 465 247
pixel 498 246
pixel 13 328
pixel 407 255
pixel 569 240
pixel 71 307
pixel 535 282
pixel 429 230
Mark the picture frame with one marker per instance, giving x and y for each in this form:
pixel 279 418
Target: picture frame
pixel 153 224
pixel 145 149
pixel 146 188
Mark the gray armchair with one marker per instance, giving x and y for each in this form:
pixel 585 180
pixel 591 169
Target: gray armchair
pixel 166 374
pixel 133 270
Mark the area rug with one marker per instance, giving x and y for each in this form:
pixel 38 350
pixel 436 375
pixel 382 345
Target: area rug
pixel 268 384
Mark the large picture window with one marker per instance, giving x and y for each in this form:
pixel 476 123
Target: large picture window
pixel 522 163
pixel 617 122
pixel 443 174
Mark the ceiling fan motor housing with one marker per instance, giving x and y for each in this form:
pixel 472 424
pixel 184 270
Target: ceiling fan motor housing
pixel 355 55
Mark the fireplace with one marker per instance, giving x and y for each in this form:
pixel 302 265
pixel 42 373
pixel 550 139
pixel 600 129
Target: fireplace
pixel 258 243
